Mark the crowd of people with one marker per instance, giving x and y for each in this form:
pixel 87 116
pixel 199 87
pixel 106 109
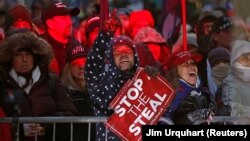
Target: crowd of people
pixel 49 67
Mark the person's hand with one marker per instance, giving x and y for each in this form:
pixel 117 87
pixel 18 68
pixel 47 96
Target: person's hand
pixel 151 70
pixel 210 116
pixel 33 129
pixel 112 23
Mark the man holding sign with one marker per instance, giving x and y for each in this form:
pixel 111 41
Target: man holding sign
pixel 110 63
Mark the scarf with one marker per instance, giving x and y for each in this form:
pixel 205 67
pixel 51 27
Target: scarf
pixel 242 72
pixel 219 72
pixel 21 80
pixel 182 92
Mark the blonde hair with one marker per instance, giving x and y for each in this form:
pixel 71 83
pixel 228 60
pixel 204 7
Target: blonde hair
pixel 68 80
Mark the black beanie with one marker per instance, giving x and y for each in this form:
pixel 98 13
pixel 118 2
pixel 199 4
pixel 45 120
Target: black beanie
pixel 76 51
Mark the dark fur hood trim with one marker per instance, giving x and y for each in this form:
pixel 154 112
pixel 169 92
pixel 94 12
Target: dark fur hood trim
pixel 37 45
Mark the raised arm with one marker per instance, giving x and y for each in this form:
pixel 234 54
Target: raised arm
pixel 95 73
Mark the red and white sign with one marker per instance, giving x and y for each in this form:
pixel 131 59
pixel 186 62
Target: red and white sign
pixel 142 101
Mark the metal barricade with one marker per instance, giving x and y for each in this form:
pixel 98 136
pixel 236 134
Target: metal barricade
pixel 66 119
pixel 166 121
pixel 54 120
pixel 225 120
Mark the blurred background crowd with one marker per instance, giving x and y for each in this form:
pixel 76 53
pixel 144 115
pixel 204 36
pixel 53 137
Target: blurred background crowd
pixel 65 54
pixel 88 7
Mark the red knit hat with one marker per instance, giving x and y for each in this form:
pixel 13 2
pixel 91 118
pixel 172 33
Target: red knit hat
pixel 91 23
pixel 180 57
pixel 116 41
pixel 18 12
pixel 58 9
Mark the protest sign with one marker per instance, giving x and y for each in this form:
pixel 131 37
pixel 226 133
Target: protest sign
pixel 141 101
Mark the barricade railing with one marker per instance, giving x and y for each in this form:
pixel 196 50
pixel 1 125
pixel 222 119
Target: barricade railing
pixel 167 121
pixel 66 119
pixel 222 120
pixel 225 120
pixel 54 120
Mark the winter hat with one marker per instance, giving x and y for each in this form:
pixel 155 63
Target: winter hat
pixel 121 40
pixel 17 12
pixel 91 23
pixel 28 41
pixel 222 23
pixel 58 9
pixel 208 16
pixel 76 51
pixel 179 57
pixel 218 54
pixel 149 35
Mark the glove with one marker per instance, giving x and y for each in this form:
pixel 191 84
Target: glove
pixel 151 70
pixel 112 23
pixel 201 114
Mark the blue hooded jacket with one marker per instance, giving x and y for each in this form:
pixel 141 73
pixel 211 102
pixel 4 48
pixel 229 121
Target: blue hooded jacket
pixel 104 79
pixel 189 104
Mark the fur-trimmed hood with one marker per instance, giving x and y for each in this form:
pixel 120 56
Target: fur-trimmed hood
pixel 39 47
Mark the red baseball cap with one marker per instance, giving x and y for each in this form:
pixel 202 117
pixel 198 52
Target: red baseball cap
pixel 58 9
pixel 180 57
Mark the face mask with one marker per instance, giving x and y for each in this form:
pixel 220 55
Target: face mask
pixel 219 72
pixel 242 72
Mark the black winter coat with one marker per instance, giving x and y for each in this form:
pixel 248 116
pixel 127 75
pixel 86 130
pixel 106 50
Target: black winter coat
pixel 42 100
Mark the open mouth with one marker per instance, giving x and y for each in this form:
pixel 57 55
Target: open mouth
pixel 192 74
pixel 124 61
